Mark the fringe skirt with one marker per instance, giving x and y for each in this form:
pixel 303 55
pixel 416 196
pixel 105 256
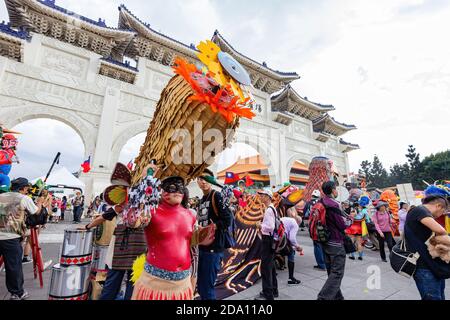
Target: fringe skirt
pixel 149 287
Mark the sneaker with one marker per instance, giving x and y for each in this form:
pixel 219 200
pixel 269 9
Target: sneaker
pixel 24 296
pixel 276 295
pixel 294 282
pixel 27 260
pixel 48 264
pixel 351 258
pixel 384 260
pixel 360 258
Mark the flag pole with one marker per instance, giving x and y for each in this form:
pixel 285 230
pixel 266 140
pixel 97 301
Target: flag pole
pixel 53 164
pixel 56 160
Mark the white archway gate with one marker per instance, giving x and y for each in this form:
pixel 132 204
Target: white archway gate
pixel 60 81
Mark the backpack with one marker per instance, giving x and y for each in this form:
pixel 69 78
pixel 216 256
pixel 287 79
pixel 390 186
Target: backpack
pixel 230 233
pixel 318 229
pixel 279 234
pixel 12 215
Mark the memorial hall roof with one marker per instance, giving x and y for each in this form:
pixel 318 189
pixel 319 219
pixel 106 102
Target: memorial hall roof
pixel 289 100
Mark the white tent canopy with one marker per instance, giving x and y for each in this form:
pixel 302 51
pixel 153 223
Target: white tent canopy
pixel 62 176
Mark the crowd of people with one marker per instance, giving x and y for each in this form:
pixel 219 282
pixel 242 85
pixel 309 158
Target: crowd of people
pixel 181 260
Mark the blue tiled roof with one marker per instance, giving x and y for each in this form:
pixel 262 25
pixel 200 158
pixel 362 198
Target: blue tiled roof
pixel 147 25
pixel 121 64
pixel 51 4
pixel 21 34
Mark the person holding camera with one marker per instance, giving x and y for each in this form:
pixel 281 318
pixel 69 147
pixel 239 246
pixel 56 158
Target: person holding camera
pixel 14 206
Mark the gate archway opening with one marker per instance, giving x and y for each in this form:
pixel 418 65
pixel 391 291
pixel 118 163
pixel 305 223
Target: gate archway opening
pixel 299 174
pixel 39 142
pixel 131 149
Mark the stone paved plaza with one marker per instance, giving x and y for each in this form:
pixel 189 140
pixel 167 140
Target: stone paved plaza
pixel 354 287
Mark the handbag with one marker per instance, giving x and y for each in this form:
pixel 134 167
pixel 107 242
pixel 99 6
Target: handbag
pixel 403 261
pixel 349 245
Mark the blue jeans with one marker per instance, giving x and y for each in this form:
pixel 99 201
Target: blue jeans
pixel 318 254
pixel 77 213
pixel 430 287
pixel 208 267
pixel 113 284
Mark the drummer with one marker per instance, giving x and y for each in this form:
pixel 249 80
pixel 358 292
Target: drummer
pixel 122 260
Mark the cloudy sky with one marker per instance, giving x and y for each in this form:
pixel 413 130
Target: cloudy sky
pixel 383 64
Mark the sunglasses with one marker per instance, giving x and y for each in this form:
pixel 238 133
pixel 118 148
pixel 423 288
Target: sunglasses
pixel 174 188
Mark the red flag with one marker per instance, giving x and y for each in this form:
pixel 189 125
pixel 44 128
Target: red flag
pixel 130 165
pixel 86 165
pixel 231 178
pixel 248 181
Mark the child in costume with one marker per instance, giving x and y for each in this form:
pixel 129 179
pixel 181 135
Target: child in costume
pixel 359 227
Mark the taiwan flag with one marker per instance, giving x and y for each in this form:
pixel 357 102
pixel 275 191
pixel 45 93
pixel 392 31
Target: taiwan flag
pixel 86 165
pixel 248 181
pixel 130 165
pixel 231 178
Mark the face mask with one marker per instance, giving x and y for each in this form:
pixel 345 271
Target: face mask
pixel 174 188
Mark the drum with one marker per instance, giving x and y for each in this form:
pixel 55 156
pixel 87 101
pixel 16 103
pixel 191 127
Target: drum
pixel 69 283
pixel 77 248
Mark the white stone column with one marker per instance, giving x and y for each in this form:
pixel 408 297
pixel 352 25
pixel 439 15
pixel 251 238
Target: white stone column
pixel 284 170
pixel 141 78
pixel 347 165
pixel 102 153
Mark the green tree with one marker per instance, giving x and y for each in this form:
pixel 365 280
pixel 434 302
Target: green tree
pixel 435 167
pixel 415 166
pixel 399 174
pixel 379 175
pixel 365 170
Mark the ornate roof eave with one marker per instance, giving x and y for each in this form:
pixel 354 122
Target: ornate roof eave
pixel 289 99
pixel 322 136
pixel 17 7
pixel 349 147
pixel 130 21
pixel 18 11
pixel 329 125
pixel 285 77
pixel 119 65
pixel 289 92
